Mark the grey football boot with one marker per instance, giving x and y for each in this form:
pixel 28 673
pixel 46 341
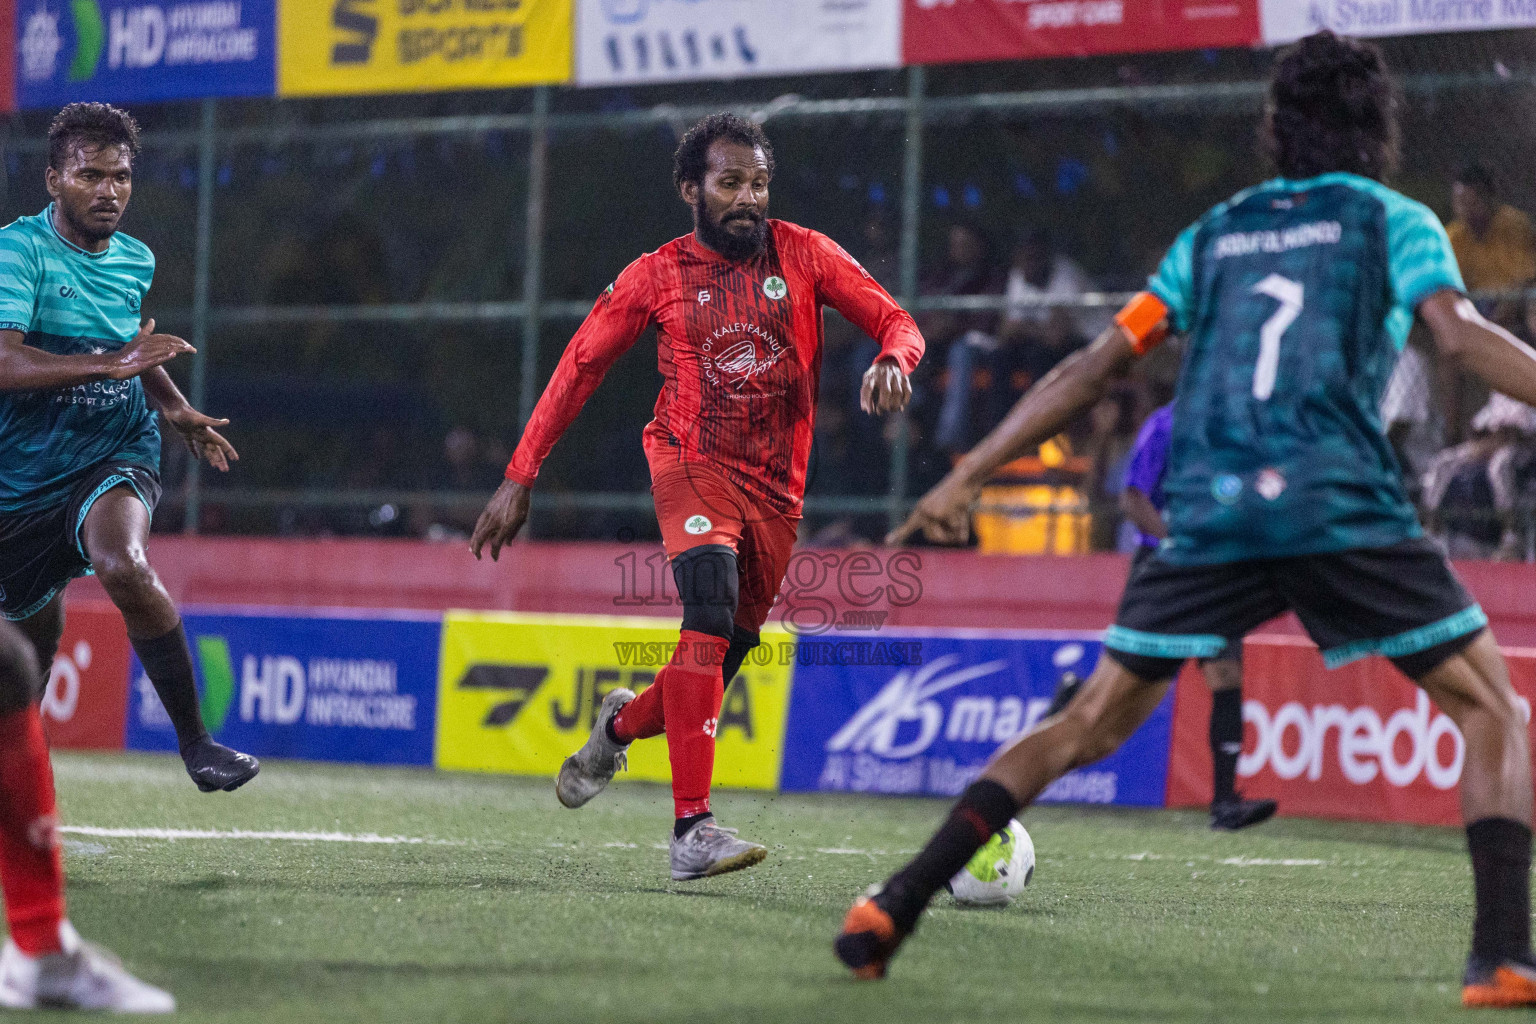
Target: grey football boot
pixel 587 772
pixel 707 849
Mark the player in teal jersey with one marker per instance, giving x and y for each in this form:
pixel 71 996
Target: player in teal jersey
pixel 81 383
pixel 1295 298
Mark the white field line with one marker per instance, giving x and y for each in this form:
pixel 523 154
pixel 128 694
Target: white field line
pixel 371 838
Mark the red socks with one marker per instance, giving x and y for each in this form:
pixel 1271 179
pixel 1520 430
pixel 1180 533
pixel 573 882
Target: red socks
pixel 683 702
pixel 31 867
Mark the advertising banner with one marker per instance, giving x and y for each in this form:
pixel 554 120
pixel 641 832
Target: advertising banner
pixel 922 713
pixel 86 703
pixel 130 51
pixel 371 46
pixel 1287 20
pixel 1361 742
pixel 324 687
pixel 944 31
pixel 619 41
pixel 520 693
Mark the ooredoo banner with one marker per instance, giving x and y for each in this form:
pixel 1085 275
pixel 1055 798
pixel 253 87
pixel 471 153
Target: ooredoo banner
pixel 945 31
pixel 922 713
pixel 1288 20
pixel 343 47
pixel 86 703
pixel 131 51
pixel 519 693
pixel 1361 742
pixel 622 41
pixel 328 687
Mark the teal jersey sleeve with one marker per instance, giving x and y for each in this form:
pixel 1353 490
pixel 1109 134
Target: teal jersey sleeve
pixel 21 274
pixel 1419 251
pixel 1174 282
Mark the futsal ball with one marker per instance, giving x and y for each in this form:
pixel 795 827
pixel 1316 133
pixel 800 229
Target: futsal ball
pixel 999 871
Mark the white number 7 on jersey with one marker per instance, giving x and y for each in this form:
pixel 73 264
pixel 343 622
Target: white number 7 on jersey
pixel 1290 295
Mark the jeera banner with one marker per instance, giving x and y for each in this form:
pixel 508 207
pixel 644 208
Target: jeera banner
pixel 946 31
pixel 126 51
pixel 626 41
pixel 1288 20
pixel 923 713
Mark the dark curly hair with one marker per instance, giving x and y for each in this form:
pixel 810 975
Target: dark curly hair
pixel 1477 177
pixel 692 158
pixel 1332 107
pixel 90 124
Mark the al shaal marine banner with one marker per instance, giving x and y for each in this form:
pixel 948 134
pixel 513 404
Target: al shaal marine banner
pixel 629 41
pixel 1288 20
pixel 126 51
pixel 344 47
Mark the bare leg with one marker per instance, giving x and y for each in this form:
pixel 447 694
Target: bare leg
pixel 44 631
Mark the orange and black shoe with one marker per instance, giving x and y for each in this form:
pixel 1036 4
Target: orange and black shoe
pixel 868 940
pixel 1499 984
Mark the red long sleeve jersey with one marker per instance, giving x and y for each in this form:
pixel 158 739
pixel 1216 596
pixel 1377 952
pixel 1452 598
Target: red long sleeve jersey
pixel 739 347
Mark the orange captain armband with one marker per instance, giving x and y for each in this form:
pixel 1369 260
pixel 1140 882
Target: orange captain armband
pixel 1145 320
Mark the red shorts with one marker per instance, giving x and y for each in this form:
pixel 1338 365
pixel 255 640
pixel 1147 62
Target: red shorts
pixel 696 504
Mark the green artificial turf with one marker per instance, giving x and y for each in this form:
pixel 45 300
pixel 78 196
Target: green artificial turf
pixel 523 911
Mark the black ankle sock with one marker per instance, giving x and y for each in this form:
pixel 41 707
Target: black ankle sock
pixel 682 825
pixel 1226 743
pixel 168 664
pixel 983 809
pixel 1501 879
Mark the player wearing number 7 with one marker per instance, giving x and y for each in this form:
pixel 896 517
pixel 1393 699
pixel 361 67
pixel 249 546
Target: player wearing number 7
pixel 1295 298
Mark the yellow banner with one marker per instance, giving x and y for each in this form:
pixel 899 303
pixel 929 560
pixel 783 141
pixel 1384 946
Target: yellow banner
pixel 519 693
pixel 342 47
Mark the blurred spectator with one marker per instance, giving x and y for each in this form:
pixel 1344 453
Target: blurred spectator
pixel 960 341
pixel 1491 470
pixel 1409 417
pixel 1492 240
pixel 1043 335
pixel 1111 437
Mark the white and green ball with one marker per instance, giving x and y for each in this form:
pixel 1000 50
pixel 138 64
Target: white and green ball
pixel 998 872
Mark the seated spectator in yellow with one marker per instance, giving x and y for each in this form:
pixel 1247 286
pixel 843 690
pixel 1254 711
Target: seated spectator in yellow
pixel 1492 240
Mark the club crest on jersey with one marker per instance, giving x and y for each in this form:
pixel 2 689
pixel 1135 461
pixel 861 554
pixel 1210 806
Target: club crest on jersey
pixel 775 288
pixel 135 301
pixel 698 524
pixel 1270 484
pixel 738 352
pixel 1226 488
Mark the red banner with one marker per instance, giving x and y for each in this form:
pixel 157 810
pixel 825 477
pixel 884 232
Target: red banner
pixel 947 31
pixel 7 55
pixel 1361 743
pixel 86 704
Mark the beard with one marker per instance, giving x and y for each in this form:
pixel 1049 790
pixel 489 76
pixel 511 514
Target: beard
pixel 86 228
pixel 726 242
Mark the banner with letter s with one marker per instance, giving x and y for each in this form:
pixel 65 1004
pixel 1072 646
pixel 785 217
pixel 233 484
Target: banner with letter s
pixel 125 51
pixel 345 47
pixel 625 41
pixel 1285 21
pixel 324 687
pixel 520 693
pixel 928 723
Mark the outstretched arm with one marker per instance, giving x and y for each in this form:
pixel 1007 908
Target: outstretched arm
pixel 195 429
pixel 24 368
pixel 848 288
pixel 1484 349
pixel 1076 383
pixel 613 326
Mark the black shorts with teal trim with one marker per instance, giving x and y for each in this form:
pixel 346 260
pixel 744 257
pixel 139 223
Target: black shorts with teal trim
pixel 1402 601
pixel 42 551
pixel 1232 648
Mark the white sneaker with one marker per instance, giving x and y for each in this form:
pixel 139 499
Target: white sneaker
pixel 587 772
pixel 82 977
pixel 707 850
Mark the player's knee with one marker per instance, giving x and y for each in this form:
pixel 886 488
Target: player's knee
pixel 709 589
pixel 124 573
pixel 20 678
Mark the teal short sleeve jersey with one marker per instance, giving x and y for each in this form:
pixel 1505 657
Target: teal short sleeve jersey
pixel 68 301
pixel 1295 298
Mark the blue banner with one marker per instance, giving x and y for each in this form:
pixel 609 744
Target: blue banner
pixel 928 721
pixel 125 51
pixel 324 688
